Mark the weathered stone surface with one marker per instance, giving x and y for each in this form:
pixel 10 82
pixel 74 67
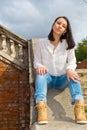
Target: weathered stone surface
pixel 59 125
pixel 60 112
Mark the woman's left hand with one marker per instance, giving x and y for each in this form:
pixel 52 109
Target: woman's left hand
pixel 72 75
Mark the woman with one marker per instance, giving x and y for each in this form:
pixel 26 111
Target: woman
pixel 55 64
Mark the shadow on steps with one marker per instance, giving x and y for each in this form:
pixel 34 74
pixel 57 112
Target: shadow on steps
pixel 59 106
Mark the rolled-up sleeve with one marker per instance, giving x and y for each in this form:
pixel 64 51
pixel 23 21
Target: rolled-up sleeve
pixel 71 64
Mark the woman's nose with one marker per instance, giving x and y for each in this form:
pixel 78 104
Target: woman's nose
pixel 60 26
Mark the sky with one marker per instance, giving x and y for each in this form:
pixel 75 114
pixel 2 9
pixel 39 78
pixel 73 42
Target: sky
pixel 34 18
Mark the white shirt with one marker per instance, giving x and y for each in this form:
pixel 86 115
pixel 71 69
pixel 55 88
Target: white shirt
pixel 56 60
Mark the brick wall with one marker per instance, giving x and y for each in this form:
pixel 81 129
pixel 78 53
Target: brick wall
pixel 14 98
pixel 82 65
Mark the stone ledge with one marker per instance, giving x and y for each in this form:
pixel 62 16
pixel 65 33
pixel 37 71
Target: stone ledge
pixel 59 125
pixel 60 112
pixel 59 106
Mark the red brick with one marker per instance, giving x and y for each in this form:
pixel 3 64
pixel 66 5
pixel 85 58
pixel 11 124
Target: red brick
pixel 13 96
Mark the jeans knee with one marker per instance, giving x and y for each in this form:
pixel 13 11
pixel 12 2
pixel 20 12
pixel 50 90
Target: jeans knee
pixel 41 77
pixel 73 82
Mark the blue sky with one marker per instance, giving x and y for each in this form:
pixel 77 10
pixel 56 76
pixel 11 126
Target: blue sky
pixel 34 18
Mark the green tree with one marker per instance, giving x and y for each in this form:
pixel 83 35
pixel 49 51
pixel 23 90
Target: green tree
pixel 81 51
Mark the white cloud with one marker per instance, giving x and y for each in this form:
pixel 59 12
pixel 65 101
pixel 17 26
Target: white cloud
pixel 32 18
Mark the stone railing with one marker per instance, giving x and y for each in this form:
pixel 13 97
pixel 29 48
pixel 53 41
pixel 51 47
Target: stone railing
pixel 13 48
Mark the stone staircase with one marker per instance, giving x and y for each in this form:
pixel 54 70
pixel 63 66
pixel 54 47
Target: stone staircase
pixel 83 77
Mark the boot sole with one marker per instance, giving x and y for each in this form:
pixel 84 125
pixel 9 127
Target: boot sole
pixel 42 122
pixel 81 122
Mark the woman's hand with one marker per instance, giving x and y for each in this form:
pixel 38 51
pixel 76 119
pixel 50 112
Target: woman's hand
pixel 72 75
pixel 41 70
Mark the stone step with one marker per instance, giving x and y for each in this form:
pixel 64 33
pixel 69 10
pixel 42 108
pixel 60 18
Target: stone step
pixel 59 106
pixel 59 125
pixel 60 112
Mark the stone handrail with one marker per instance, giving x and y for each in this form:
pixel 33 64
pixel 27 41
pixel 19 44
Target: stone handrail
pixel 13 48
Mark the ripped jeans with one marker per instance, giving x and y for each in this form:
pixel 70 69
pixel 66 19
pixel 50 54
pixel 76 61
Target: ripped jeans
pixel 60 82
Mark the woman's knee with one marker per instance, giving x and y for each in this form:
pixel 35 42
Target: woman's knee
pixel 73 82
pixel 41 77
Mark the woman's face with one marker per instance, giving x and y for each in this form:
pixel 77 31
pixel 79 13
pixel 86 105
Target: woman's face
pixel 60 26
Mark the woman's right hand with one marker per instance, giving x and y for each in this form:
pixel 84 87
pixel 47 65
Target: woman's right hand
pixel 41 70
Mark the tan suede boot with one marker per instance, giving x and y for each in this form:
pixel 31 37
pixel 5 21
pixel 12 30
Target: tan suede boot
pixel 42 113
pixel 79 111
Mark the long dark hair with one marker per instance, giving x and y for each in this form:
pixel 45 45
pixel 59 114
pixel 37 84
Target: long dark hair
pixel 67 35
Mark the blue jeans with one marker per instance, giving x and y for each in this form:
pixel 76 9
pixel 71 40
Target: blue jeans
pixel 60 82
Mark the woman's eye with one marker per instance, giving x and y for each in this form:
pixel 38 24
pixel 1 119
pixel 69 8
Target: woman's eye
pixel 58 23
pixel 64 26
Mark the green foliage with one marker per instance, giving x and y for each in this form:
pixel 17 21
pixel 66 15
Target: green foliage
pixel 81 51
pixel 81 75
pixel 85 110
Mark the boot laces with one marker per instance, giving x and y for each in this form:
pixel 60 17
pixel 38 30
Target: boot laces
pixel 42 108
pixel 80 109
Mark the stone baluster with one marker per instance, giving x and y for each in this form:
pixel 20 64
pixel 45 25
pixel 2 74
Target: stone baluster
pixel 4 44
pixel 20 52
pixel 13 50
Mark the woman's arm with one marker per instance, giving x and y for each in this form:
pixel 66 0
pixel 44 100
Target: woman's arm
pixel 40 68
pixel 71 66
pixel 71 60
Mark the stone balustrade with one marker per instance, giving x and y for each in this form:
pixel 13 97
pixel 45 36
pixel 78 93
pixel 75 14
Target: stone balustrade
pixel 13 50
pixel 9 47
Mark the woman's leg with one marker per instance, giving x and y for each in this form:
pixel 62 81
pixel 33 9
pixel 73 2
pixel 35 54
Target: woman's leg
pixel 78 100
pixel 75 91
pixel 61 82
pixel 41 87
pixel 40 97
pixel 77 97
